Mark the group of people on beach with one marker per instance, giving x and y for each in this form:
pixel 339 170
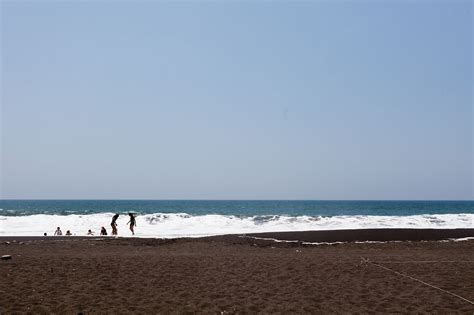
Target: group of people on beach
pixel 132 224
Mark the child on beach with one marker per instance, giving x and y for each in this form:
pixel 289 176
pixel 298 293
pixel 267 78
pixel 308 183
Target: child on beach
pixel 114 224
pixel 90 232
pixel 58 232
pixel 132 222
pixel 103 231
pixel 68 233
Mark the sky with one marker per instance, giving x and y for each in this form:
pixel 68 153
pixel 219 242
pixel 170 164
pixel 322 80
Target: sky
pixel 237 100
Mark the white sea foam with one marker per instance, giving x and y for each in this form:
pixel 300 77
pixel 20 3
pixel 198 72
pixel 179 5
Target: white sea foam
pixel 169 225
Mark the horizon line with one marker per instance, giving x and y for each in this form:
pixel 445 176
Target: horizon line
pixel 166 199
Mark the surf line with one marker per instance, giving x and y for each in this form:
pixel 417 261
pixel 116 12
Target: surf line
pixel 347 242
pixel 425 261
pixel 315 243
pixel 289 241
pixel 366 260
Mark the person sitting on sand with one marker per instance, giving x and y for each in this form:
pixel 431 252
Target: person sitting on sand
pixel 114 224
pixel 58 232
pixel 90 232
pixel 103 231
pixel 132 222
pixel 68 233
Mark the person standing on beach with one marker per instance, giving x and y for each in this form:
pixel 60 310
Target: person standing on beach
pixel 58 232
pixel 114 224
pixel 132 222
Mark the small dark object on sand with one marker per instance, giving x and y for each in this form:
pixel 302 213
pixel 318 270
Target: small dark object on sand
pixel 6 257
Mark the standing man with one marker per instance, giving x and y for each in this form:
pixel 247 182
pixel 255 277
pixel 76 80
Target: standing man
pixel 114 224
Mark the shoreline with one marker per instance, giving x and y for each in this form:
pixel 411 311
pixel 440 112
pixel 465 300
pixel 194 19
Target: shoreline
pixel 368 235
pixel 313 236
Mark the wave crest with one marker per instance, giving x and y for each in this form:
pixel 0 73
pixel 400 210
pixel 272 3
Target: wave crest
pixel 186 225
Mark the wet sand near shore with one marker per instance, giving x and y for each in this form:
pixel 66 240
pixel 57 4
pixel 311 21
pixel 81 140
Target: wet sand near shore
pixel 240 274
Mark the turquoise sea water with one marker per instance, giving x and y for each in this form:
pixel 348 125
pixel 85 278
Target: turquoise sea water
pixel 235 207
pixel 190 218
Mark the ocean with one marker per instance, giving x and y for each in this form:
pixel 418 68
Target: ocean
pixel 194 218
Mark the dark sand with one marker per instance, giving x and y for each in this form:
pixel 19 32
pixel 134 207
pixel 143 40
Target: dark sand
pixel 232 274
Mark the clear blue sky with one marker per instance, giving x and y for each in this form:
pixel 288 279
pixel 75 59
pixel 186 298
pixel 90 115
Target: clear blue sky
pixel 214 100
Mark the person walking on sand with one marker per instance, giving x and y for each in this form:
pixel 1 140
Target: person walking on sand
pixel 132 222
pixel 114 224
pixel 58 232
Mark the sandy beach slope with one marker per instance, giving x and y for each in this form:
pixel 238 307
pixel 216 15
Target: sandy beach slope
pixel 240 274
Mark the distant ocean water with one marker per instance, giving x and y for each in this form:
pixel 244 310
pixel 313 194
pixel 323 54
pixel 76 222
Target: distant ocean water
pixel 179 218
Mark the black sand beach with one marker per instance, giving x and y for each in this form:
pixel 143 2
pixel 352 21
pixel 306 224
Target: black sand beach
pixel 241 274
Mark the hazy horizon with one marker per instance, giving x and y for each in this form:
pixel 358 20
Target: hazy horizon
pixel 237 101
pixel 137 199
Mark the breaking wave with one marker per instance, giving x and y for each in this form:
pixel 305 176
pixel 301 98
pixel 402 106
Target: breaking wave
pixel 168 225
